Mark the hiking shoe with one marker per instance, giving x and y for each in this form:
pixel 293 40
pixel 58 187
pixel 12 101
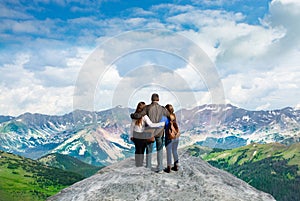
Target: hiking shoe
pixel 159 171
pixel 175 168
pixel 167 169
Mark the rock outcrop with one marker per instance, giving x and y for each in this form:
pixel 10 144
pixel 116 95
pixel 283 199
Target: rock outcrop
pixel 196 180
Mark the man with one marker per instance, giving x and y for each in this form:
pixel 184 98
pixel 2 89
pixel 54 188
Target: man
pixel 155 113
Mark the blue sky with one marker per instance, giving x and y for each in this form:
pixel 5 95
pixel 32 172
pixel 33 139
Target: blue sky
pixel 47 46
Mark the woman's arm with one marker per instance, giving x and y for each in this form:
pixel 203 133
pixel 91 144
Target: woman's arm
pixel 151 124
pixel 131 129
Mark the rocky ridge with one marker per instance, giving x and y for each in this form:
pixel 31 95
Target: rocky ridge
pixel 196 180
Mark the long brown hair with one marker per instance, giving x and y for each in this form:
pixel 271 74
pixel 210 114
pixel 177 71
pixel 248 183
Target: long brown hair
pixel 173 121
pixel 170 108
pixel 172 117
pixel 139 108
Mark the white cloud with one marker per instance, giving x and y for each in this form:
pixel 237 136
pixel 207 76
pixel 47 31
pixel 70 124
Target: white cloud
pixel 171 9
pixel 285 14
pixel 195 82
pixel 12 13
pixel 54 66
pixel 139 84
pixel 294 2
pixel 35 99
pixel 209 18
pixel 142 60
pixel 232 45
pixel 11 73
pixel 30 26
pixel 109 79
pixel 141 12
pixel 57 77
pixel 48 90
pixel 213 2
pixel 257 90
pixel 258 64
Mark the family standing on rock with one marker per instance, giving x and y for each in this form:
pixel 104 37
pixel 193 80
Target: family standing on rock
pixel 155 123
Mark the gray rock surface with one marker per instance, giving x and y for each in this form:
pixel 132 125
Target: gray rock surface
pixel 196 180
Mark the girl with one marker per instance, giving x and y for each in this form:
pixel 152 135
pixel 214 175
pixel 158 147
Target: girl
pixel 139 136
pixel 171 140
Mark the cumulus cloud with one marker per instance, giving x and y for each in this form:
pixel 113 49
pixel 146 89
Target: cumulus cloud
pixel 11 73
pixel 145 59
pixel 258 63
pixel 285 14
pixel 257 90
pixel 271 78
pixel 48 90
pixel 35 99
pixel 231 44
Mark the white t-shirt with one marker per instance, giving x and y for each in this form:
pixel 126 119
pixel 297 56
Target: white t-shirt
pixel 141 128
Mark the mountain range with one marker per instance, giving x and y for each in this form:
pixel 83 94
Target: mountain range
pixel 101 138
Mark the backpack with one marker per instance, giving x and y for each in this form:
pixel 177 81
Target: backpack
pixel 173 131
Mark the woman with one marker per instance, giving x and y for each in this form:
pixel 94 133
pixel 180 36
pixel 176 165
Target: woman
pixel 171 140
pixel 139 136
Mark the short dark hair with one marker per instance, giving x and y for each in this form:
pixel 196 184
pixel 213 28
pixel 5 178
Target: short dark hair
pixel 154 97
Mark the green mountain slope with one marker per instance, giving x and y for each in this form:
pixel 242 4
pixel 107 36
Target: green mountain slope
pixel 273 168
pixel 69 163
pixel 28 180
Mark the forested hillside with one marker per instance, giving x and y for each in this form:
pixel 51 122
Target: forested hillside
pixel 28 180
pixel 272 168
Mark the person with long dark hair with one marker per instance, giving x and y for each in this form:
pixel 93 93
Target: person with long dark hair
pixel 141 137
pixel 155 112
pixel 171 140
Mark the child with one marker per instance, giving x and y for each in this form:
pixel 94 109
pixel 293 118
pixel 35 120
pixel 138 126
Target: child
pixel 137 135
pixel 171 140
